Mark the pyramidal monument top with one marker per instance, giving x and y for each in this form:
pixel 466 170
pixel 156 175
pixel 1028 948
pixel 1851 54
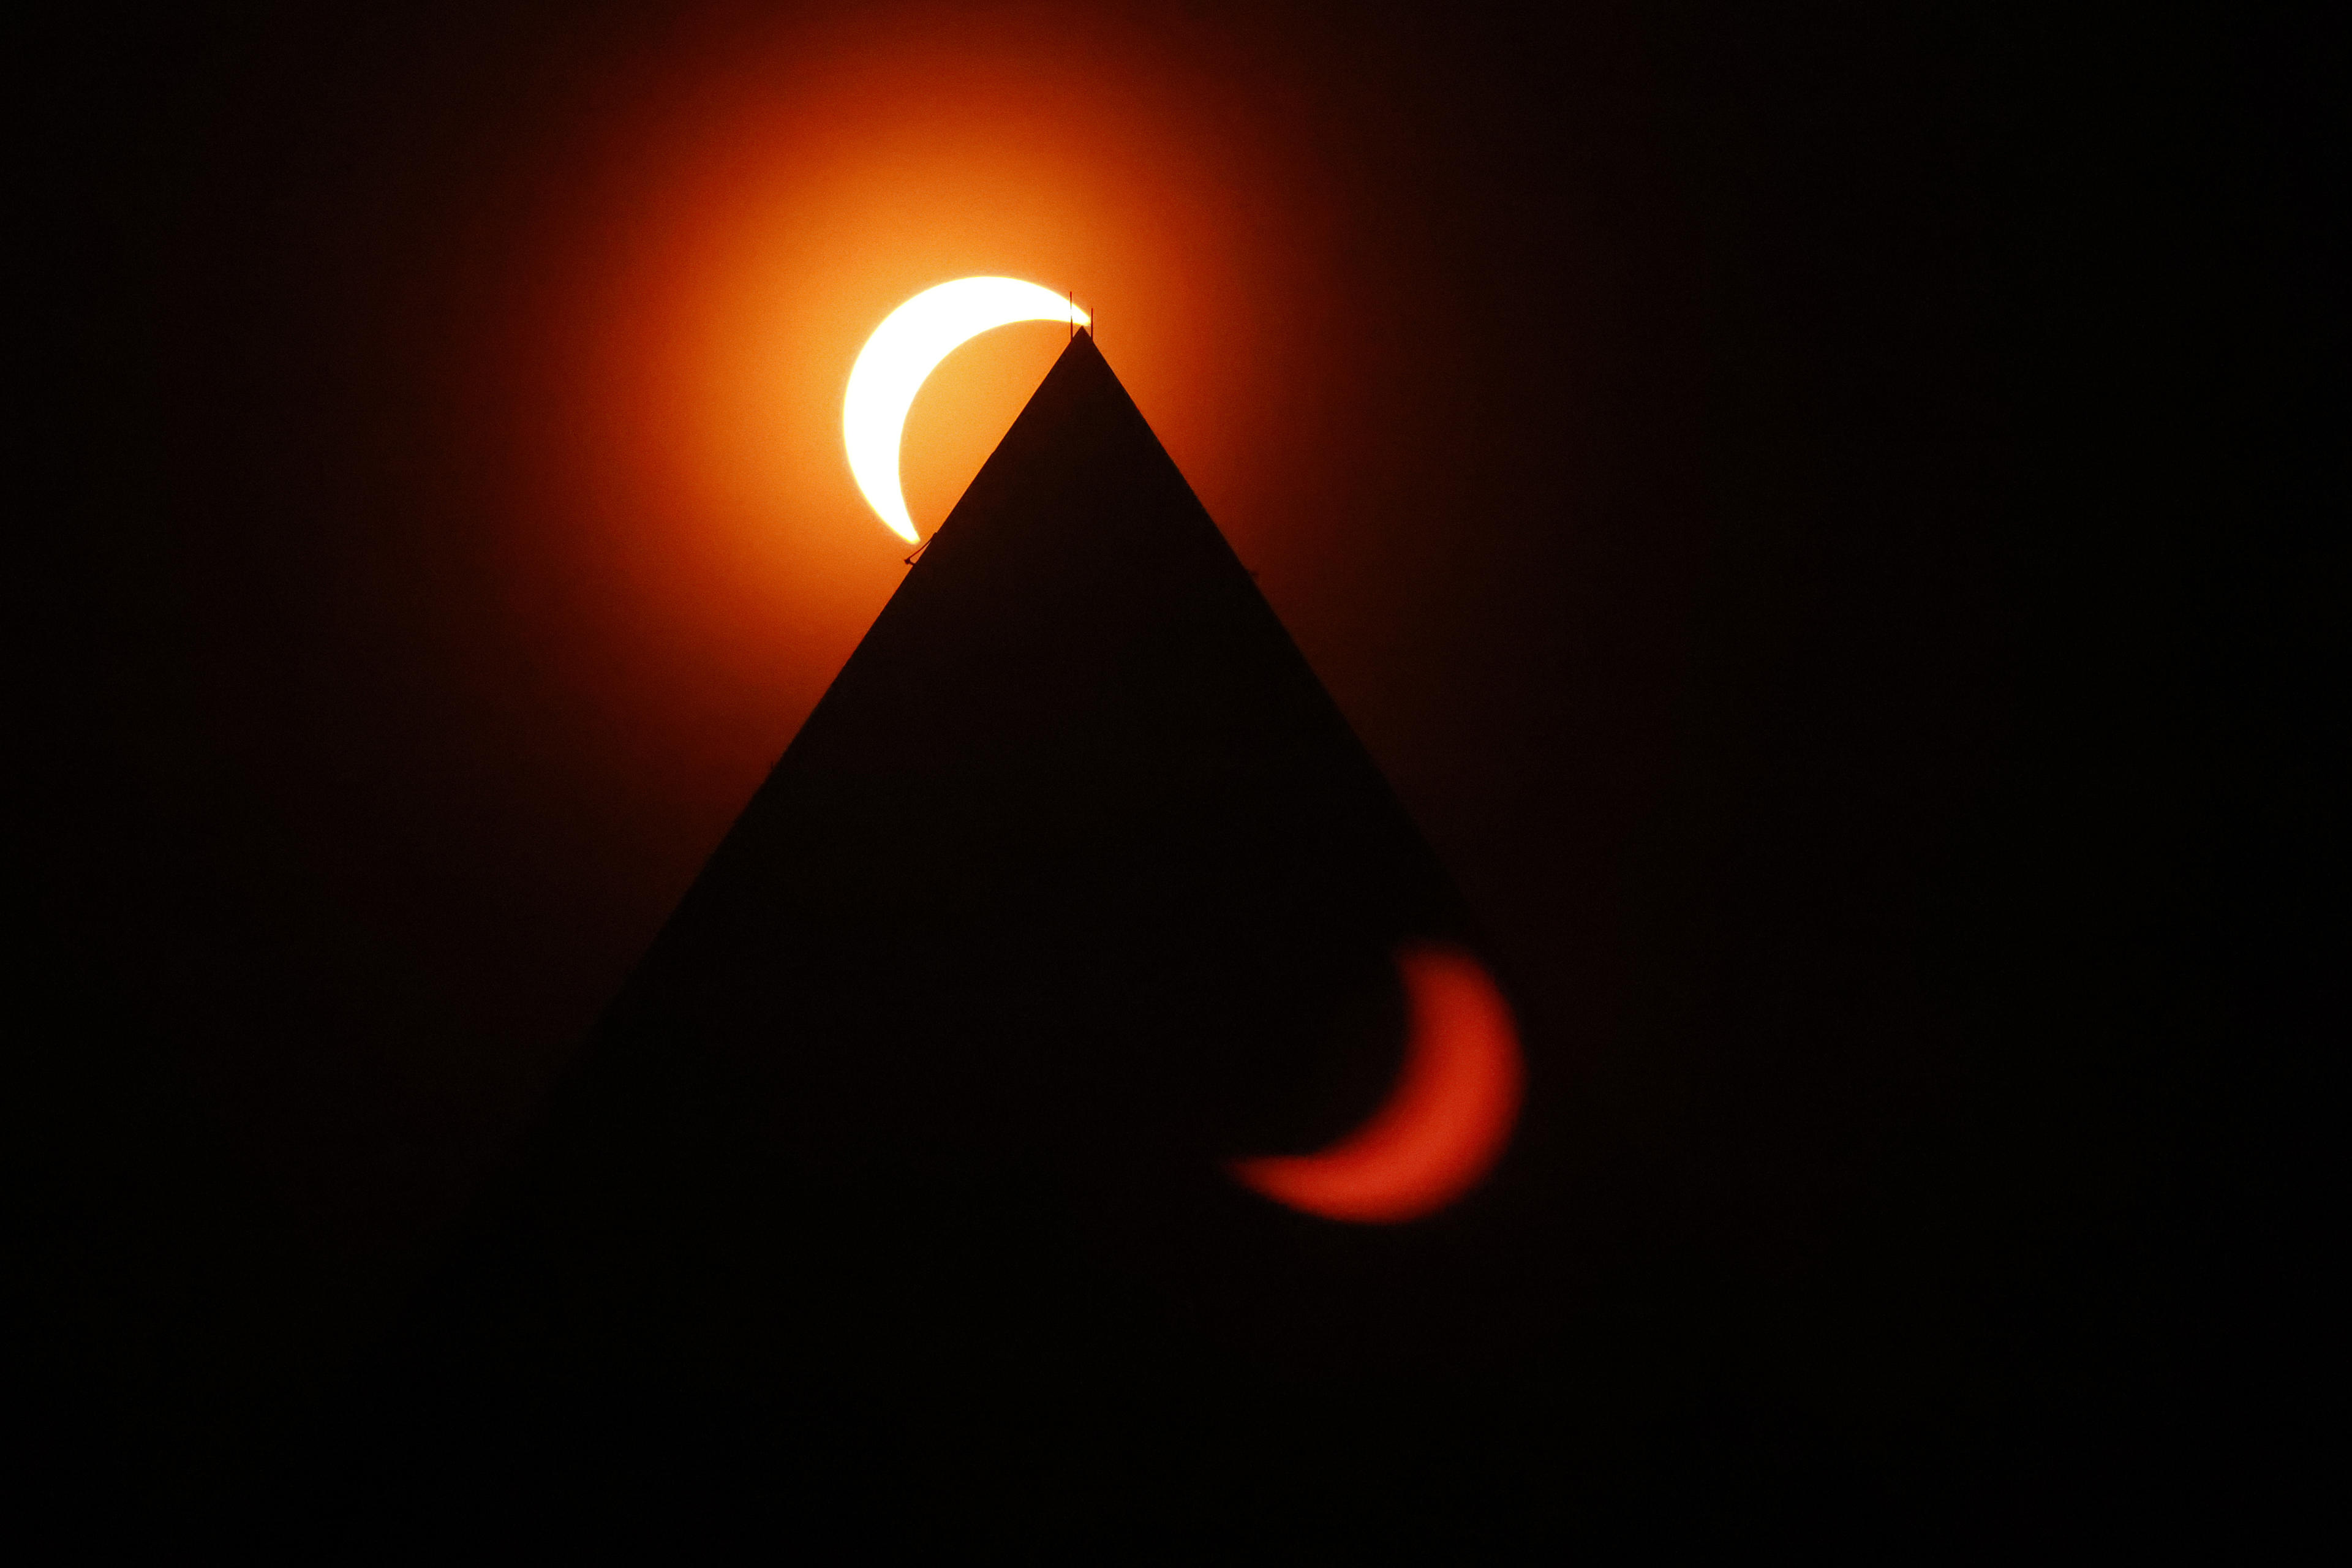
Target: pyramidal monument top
pixel 904 1159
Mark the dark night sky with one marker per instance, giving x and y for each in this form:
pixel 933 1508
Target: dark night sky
pixel 1752 476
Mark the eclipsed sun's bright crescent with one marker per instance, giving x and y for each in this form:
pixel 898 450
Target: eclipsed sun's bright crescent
pixel 1446 1123
pixel 902 353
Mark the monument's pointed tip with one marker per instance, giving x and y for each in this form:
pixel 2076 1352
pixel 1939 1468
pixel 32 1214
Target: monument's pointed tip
pixel 1075 883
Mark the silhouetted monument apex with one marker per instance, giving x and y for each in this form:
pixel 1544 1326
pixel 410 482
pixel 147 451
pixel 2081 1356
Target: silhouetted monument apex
pixel 904 1138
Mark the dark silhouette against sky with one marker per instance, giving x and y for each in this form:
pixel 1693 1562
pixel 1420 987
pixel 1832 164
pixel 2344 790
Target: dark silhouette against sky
pixel 901 1163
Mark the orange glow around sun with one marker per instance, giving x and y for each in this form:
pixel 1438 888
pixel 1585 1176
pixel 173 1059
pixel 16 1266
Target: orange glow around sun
pixel 726 242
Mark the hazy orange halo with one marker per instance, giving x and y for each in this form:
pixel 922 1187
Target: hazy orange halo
pixel 697 559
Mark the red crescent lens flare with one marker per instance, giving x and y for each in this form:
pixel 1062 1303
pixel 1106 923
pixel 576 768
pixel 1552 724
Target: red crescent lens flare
pixel 1446 1123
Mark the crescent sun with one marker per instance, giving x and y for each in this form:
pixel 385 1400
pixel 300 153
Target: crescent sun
pixel 1446 1123
pixel 902 353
